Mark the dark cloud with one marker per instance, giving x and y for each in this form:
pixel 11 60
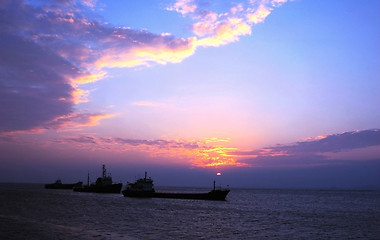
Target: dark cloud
pixel 34 88
pixel 83 139
pixel 311 152
pixel 35 85
pixel 160 143
pixel 331 143
pixel 335 143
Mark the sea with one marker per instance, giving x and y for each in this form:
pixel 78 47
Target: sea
pixel 28 211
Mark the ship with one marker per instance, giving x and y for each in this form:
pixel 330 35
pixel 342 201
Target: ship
pixel 103 184
pixel 59 185
pixel 143 188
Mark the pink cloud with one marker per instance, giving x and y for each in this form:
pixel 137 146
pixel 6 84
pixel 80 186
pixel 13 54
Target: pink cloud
pixel 183 6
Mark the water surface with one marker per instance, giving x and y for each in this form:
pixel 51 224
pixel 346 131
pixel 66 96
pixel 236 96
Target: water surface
pixel 28 211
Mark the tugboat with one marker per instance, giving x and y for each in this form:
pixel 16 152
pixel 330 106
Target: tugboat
pixel 59 185
pixel 143 188
pixel 103 185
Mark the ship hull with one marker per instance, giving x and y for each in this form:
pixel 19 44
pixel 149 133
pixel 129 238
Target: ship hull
pixel 114 188
pixel 219 195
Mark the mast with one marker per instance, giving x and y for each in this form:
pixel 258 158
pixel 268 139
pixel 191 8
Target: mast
pixel 104 171
pixel 145 175
pixel 88 178
pixel 214 185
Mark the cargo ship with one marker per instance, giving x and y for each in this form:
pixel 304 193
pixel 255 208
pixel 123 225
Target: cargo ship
pixel 143 188
pixel 59 185
pixel 103 184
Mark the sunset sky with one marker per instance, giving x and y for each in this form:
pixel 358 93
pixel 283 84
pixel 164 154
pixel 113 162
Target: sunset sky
pixel 272 93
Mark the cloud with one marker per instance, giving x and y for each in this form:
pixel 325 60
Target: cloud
pixel 76 121
pixel 196 153
pixel 226 32
pixel 183 7
pixel 258 15
pixel 312 151
pixel 215 152
pixel 334 143
pixel 159 49
pixel 34 84
pixel 49 49
pixel 216 29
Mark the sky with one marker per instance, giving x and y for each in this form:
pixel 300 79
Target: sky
pixel 271 93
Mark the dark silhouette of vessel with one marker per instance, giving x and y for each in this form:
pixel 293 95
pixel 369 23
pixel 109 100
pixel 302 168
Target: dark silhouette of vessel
pixel 143 188
pixel 59 185
pixel 103 184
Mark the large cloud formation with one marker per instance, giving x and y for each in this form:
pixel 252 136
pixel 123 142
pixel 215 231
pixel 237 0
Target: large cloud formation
pixel 49 49
pixel 33 85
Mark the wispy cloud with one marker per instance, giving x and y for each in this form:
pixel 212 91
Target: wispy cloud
pixel 197 153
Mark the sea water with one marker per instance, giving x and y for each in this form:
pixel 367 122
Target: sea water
pixel 28 211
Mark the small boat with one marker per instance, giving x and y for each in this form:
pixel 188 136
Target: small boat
pixel 59 185
pixel 143 188
pixel 103 184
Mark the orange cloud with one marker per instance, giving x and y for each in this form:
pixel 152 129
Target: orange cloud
pixel 216 139
pixel 95 118
pixel 201 156
pixel 215 156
